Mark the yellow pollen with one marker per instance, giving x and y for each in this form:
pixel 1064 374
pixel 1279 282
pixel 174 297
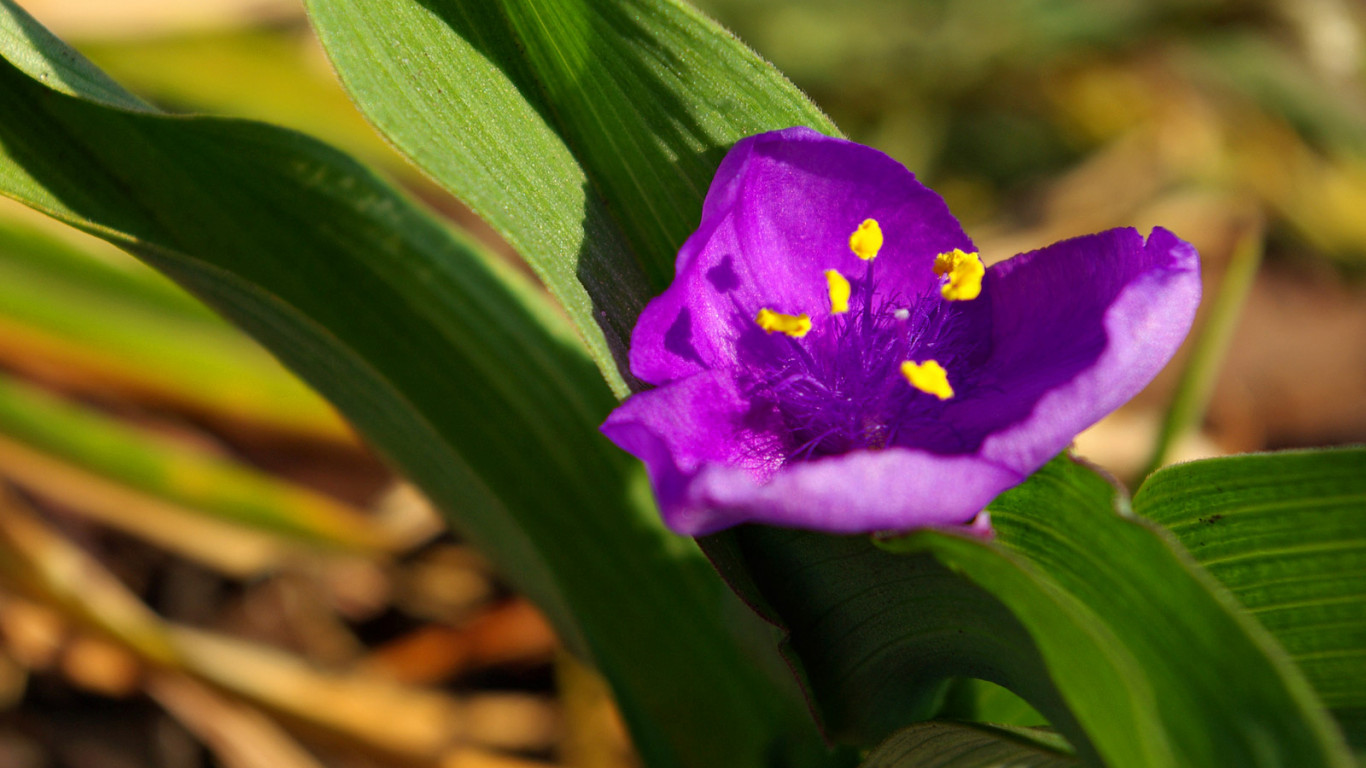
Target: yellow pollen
pixel 795 326
pixel 928 377
pixel 839 292
pixel 866 240
pixel 965 273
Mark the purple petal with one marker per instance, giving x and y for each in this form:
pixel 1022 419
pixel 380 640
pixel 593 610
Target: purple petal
pixel 677 429
pixel 894 489
pixel 820 432
pixel 707 463
pixel 779 214
pixel 1078 328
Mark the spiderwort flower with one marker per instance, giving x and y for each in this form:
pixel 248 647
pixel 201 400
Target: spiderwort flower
pixel 833 355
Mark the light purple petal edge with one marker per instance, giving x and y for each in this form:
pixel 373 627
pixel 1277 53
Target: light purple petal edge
pixel 1144 326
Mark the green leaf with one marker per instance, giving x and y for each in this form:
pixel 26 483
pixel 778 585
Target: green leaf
pixel 1136 656
pixel 585 132
pixel 964 745
pixel 982 702
pixel 35 51
pixel 1286 533
pixel 876 636
pixel 1154 659
pixel 45 262
pixel 128 328
pixel 269 74
pixel 451 364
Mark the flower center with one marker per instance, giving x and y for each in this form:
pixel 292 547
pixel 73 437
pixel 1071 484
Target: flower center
pixel 861 379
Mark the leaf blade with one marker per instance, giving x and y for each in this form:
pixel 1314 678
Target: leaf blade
pixel 964 745
pixel 1286 534
pixel 1068 607
pixel 559 122
pixel 445 360
pixel 1158 624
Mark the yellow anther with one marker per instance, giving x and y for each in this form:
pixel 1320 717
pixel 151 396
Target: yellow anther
pixel 965 273
pixel 928 377
pixel 839 291
pixel 866 240
pixel 795 326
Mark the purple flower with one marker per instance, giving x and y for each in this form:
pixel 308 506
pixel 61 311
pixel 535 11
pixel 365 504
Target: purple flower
pixel 832 355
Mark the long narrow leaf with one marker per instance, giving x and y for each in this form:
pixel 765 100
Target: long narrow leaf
pixel 449 363
pixel 135 332
pixel 1286 533
pixel 1131 652
pixel 876 636
pixel 585 132
pixel 1156 662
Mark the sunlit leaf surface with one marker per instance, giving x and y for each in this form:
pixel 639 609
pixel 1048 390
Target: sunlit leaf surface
pixel 585 132
pixel 1286 533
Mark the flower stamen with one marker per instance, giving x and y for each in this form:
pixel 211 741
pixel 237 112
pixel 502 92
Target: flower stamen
pixel 928 377
pixel 795 326
pixel 839 292
pixel 964 272
pixel 866 240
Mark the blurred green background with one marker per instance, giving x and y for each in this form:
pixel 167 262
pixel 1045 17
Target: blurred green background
pixel 256 589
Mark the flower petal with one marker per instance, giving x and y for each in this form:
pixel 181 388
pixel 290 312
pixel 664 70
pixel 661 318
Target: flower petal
pixel 894 489
pixel 705 456
pixel 678 429
pixel 1078 328
pixel 778 215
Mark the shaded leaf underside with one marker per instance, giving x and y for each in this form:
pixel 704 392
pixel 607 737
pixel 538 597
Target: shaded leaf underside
pixel 962 745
